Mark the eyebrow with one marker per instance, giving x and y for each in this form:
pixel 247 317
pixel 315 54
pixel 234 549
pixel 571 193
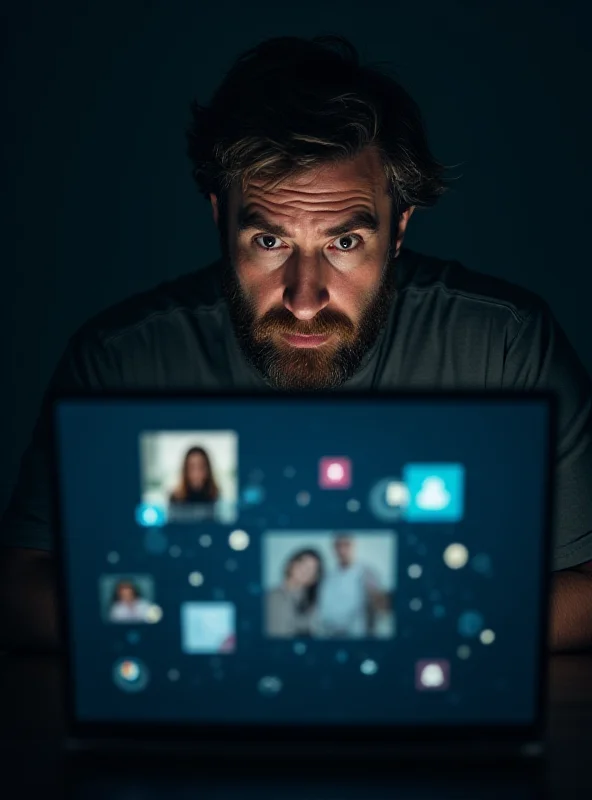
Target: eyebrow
pixel 359 220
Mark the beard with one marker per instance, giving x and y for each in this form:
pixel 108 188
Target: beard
pixel 324 367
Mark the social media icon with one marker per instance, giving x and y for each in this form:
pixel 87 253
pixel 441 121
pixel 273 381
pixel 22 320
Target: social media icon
pixel 335 472
pixel 150 515
pixel 436 492
pixel 130 674
pixel 432 675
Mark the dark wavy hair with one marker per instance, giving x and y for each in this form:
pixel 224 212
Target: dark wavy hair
pixel 210 487
pixel 309 598
pixel 125 584
pixel 290 104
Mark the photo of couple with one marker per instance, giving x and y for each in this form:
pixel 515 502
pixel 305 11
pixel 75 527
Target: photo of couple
pixel 329 585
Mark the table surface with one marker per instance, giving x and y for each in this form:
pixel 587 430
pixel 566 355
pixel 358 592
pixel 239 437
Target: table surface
pixel 31 756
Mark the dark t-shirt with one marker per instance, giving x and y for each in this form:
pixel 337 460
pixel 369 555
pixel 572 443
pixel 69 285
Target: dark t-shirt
pixel 449 327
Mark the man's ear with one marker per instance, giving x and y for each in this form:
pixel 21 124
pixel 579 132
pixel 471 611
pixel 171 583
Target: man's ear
pixel 403 220
pixel 215 209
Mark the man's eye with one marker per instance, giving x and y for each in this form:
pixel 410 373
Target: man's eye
pixel 354 243
pixel 267 241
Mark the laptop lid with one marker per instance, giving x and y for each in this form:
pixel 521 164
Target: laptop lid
pixel 313 567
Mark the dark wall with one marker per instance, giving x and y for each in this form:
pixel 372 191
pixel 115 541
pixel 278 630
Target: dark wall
pixel 98 201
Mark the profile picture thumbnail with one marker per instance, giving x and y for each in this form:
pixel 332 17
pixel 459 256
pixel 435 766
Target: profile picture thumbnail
pixel 190 474
pixel 126 598
pixel 329 584
pixel 208 628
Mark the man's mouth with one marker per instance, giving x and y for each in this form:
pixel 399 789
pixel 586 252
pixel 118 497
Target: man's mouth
pixel 300 340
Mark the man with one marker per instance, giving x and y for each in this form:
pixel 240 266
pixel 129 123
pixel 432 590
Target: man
pixel 350 596
pixel 313 166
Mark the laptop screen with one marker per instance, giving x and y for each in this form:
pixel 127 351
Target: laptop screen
pixel 329 560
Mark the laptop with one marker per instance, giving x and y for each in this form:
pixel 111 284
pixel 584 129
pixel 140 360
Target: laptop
pixel 305 574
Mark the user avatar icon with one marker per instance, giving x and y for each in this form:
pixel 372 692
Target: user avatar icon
pixel 436 492
pixel 130 674
pixel 432 675
pixel 335 473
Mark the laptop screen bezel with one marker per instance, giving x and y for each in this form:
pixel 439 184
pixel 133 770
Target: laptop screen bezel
pixel 291 733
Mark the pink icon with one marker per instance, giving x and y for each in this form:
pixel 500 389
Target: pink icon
pixel 335 472
pixel 432 675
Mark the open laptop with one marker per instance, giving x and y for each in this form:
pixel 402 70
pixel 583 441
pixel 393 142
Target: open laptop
pixel 305 573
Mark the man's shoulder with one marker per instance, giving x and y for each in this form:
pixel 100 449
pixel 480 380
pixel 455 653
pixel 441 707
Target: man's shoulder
pixel 196 295
pixel 448 281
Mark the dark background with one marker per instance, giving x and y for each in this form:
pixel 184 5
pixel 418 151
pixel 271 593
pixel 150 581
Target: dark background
pixel 98 201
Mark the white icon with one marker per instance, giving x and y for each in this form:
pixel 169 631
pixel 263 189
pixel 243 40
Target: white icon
pixel 433 495
pixel 432 675
pixel 397 494
pixel 335 472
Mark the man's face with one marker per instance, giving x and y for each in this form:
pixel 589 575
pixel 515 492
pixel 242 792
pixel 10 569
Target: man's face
pixel 311 276
pixel 344 550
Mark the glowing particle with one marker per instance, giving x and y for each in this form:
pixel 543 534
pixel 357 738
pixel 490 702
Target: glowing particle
pixel 239 540
pixel 154 614
pixel 113 557
pixel 415 604
pixel 456 556
pixel 303 498
pixel 175 551
pixel 464 651
pixel 205 540
pixel 196 578
pixel 353 505
pixel 487 636
pixel 173 674
pixel 414 571
pixel 368 667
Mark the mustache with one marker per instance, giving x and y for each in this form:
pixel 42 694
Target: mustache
pixel 281 320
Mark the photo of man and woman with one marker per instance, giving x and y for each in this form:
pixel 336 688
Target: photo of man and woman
pixel 329 584
pixel 126 598
pixel 193 475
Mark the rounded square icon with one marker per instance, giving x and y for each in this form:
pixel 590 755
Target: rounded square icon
pixel 432 675
pixel 335 472
pixel 436 492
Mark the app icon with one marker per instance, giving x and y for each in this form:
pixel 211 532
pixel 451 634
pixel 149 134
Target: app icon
pixel 130 674
pixel 335 472
pixel 432 674
pixel 208 628
pixel 436 492
pixel 149 515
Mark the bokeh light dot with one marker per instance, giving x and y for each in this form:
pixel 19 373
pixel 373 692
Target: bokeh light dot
pixel 239 540
pixel 464 651
pixel 456 556
pixel 303 498
pixel 353 505
pixel 173 674
pixel 196 578
pixel 175 551
pixel 113 557
pixel 368 667
pixel 487 636
pixel 299 648
pixel 231 565
pixel 205 540
pixel 415 604
pixel 289 472
pixel 154 614
pixel 414 571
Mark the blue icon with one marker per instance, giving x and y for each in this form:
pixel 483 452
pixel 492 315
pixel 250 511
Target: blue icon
pixel 436 492
pixel 150 515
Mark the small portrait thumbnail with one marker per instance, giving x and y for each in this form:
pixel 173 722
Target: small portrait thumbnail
pixel 329 584
pixel 126 598
pixel 208 628
pixel 191 474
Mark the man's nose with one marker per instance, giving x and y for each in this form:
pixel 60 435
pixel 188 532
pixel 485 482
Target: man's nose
pixel 306 291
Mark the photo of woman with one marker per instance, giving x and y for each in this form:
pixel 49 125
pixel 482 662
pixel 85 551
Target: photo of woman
pixel 197 484
pixel 127 603
pixel 291 607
